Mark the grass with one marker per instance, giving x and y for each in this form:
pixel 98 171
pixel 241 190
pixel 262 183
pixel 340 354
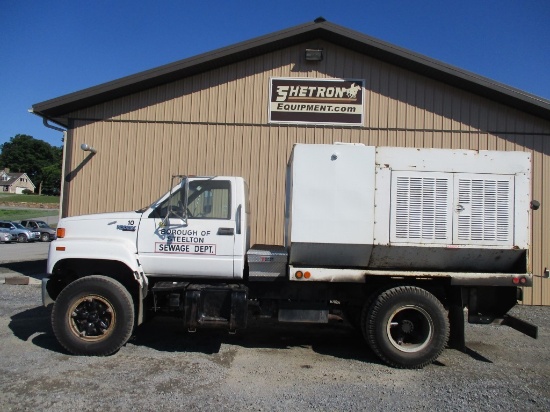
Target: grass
pixel 28 198
pixel 20 214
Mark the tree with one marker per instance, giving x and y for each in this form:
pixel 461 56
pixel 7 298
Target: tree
pixel 51 179
pixel 38 159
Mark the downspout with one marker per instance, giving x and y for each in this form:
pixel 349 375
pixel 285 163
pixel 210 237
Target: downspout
pixel 63 140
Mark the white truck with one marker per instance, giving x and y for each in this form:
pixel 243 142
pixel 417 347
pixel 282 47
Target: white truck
pixel 400 241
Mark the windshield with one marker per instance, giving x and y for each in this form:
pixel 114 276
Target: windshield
pixel 42 224
pixel 18 226
pixel 156 202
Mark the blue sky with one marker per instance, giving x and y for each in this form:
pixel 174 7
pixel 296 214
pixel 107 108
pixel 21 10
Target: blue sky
pixel 51 48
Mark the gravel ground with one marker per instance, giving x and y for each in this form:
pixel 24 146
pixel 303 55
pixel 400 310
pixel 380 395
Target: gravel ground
pixel 263 368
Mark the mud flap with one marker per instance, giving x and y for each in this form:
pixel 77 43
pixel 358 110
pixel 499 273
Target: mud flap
pixel 521 326
pixel 487 304
pixel 457 337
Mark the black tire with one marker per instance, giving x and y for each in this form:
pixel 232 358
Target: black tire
pixel 407 327
pixel 93 316
pixel 365 310
pixel 44 237
pixel 21 238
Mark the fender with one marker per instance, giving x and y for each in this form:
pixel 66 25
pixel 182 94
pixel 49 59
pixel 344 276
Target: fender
pixel 119 250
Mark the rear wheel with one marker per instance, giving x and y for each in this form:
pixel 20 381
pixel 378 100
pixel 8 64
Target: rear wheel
pixel 407 327
pixel 93 315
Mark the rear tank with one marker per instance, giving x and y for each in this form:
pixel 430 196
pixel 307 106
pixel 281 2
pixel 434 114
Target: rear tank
pixel 350 205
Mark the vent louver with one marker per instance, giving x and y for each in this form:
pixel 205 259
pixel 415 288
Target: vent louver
pixel 452 208
pixel 421 208
pixel 486 210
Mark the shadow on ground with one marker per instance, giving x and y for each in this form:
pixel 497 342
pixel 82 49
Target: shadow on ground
pixel 33 268
pixel 165 334
pixel 336 339
pixel 168 335
pixel 34 324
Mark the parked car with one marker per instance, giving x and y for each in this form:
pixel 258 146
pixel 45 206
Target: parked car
pixel 22 234
pixel 46 232
pixel 6 237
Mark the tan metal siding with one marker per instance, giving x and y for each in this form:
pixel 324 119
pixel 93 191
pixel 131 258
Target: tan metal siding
pixel 216 123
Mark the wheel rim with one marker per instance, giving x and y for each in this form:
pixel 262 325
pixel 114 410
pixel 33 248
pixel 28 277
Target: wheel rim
pixel 92 318
pixel 410 328
pixel 21 238
pixel 45 237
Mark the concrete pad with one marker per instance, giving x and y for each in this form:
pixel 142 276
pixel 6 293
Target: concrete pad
pixel 17 280
pixel 21 280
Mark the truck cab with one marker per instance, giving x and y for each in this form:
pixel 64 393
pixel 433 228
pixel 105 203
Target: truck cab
pixel 198 230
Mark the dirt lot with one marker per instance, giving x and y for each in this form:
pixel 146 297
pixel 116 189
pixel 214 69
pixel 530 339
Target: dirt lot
pixel 264 368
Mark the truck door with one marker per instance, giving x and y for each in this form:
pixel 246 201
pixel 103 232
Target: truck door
pixel 202 245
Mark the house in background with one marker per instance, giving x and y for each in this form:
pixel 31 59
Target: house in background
pixel 15 182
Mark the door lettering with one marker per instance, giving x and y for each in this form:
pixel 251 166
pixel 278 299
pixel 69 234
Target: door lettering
pixel 187 248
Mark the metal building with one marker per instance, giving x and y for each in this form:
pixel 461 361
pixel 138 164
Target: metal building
pixel 238 111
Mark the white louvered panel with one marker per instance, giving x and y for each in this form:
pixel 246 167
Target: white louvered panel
pixel 421 210
pixel 484 210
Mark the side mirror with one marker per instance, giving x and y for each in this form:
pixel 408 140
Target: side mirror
pixel 179 210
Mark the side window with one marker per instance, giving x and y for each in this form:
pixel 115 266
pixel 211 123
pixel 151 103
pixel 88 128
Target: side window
pixel 209 199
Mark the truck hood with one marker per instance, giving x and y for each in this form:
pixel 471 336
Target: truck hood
pixel 119 226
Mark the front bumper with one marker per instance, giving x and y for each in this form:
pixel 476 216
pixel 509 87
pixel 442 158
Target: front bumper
pixel 46 298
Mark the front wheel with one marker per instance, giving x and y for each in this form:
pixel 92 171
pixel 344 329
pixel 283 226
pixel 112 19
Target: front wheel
pixel 94 316
pixel 407 327
pixel 21 238
pixel 44 237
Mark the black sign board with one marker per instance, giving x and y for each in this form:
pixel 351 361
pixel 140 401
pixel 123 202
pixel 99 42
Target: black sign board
pixel 316 101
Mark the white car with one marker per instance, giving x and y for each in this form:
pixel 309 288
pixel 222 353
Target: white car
pixel 7 237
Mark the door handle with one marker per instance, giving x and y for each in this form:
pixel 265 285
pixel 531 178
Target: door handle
pixel 225 231
pixel 238 219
